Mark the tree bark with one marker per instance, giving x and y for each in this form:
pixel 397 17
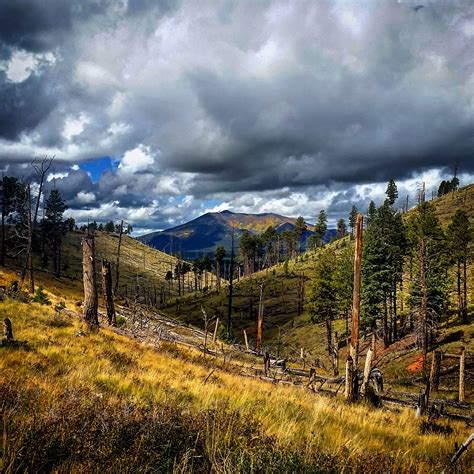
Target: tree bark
pixel 435 370
pixel 89 281
pixel 107 292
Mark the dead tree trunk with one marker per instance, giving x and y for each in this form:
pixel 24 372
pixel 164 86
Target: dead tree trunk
pixel 90 283
pixel 117 262
pixel 7 330
pixel 367 369
pixel 107 292
pixel 435 370
pixel 462 368
pixel 354 349
pixel 246 341
pixel 215 330
pixel 349 379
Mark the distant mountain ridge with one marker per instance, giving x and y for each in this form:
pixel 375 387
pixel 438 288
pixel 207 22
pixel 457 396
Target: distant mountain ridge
pixel 202 235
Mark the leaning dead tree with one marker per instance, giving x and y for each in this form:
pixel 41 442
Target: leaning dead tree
pixel 89 281
pixel 107 292
pixel 353 357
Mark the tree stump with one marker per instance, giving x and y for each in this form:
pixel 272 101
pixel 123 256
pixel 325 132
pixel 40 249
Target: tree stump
pixel 7 330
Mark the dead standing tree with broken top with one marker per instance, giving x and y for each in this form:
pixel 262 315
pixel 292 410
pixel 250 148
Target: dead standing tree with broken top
pixel 90 283
pixel 352 364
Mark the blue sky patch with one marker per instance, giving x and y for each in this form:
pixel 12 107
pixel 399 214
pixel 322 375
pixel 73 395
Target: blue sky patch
pixel 97 166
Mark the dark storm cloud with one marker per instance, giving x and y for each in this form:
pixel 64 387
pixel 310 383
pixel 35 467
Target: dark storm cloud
pixel 33 25
pixel 24 105
pixel 248 103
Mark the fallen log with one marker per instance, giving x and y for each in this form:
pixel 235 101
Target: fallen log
pixel 462 448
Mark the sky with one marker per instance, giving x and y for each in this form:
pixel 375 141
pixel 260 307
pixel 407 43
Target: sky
pixel 157 111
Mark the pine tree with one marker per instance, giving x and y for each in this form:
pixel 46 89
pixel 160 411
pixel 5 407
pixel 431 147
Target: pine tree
pixel 371 213
pixel 385 246
pixel 459 239
pixel 109 227
pixel 321 227
pixel 341 229
pixel 353 219
pixel 300 229
pixel 322 300
pixel 428 291
pixel 219 258
pixel 391 192
pixel 54 226
pixel 269 241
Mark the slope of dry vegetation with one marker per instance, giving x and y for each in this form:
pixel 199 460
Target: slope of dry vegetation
pixel 103 402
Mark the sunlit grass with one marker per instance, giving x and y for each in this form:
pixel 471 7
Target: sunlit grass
pixel 117 369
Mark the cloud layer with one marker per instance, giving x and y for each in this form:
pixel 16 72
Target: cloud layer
pixel 259 106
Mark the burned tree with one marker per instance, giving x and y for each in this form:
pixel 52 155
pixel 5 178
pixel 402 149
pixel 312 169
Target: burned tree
pixel 107 292
pixel 354 348
pixel 41 168
pixel 90 283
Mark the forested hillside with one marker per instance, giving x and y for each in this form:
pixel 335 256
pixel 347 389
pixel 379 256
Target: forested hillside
pixel 296 293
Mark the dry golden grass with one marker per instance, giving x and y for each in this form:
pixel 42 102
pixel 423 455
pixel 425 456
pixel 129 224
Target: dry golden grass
pixel 116 370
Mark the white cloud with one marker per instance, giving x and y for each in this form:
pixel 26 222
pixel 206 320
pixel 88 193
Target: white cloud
pixel 85 197
pixel 136 160
pixel 22 64
pixel 74 126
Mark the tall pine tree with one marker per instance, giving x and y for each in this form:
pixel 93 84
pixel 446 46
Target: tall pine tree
pixel 54 226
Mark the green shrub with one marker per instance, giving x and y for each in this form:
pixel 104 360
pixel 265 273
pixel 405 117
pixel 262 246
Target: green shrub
pixel 41 297
pixel 120 321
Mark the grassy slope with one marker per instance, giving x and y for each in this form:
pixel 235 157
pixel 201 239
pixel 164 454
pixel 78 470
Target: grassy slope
pixel 108 403
pixel 138 262
pixel 281 302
